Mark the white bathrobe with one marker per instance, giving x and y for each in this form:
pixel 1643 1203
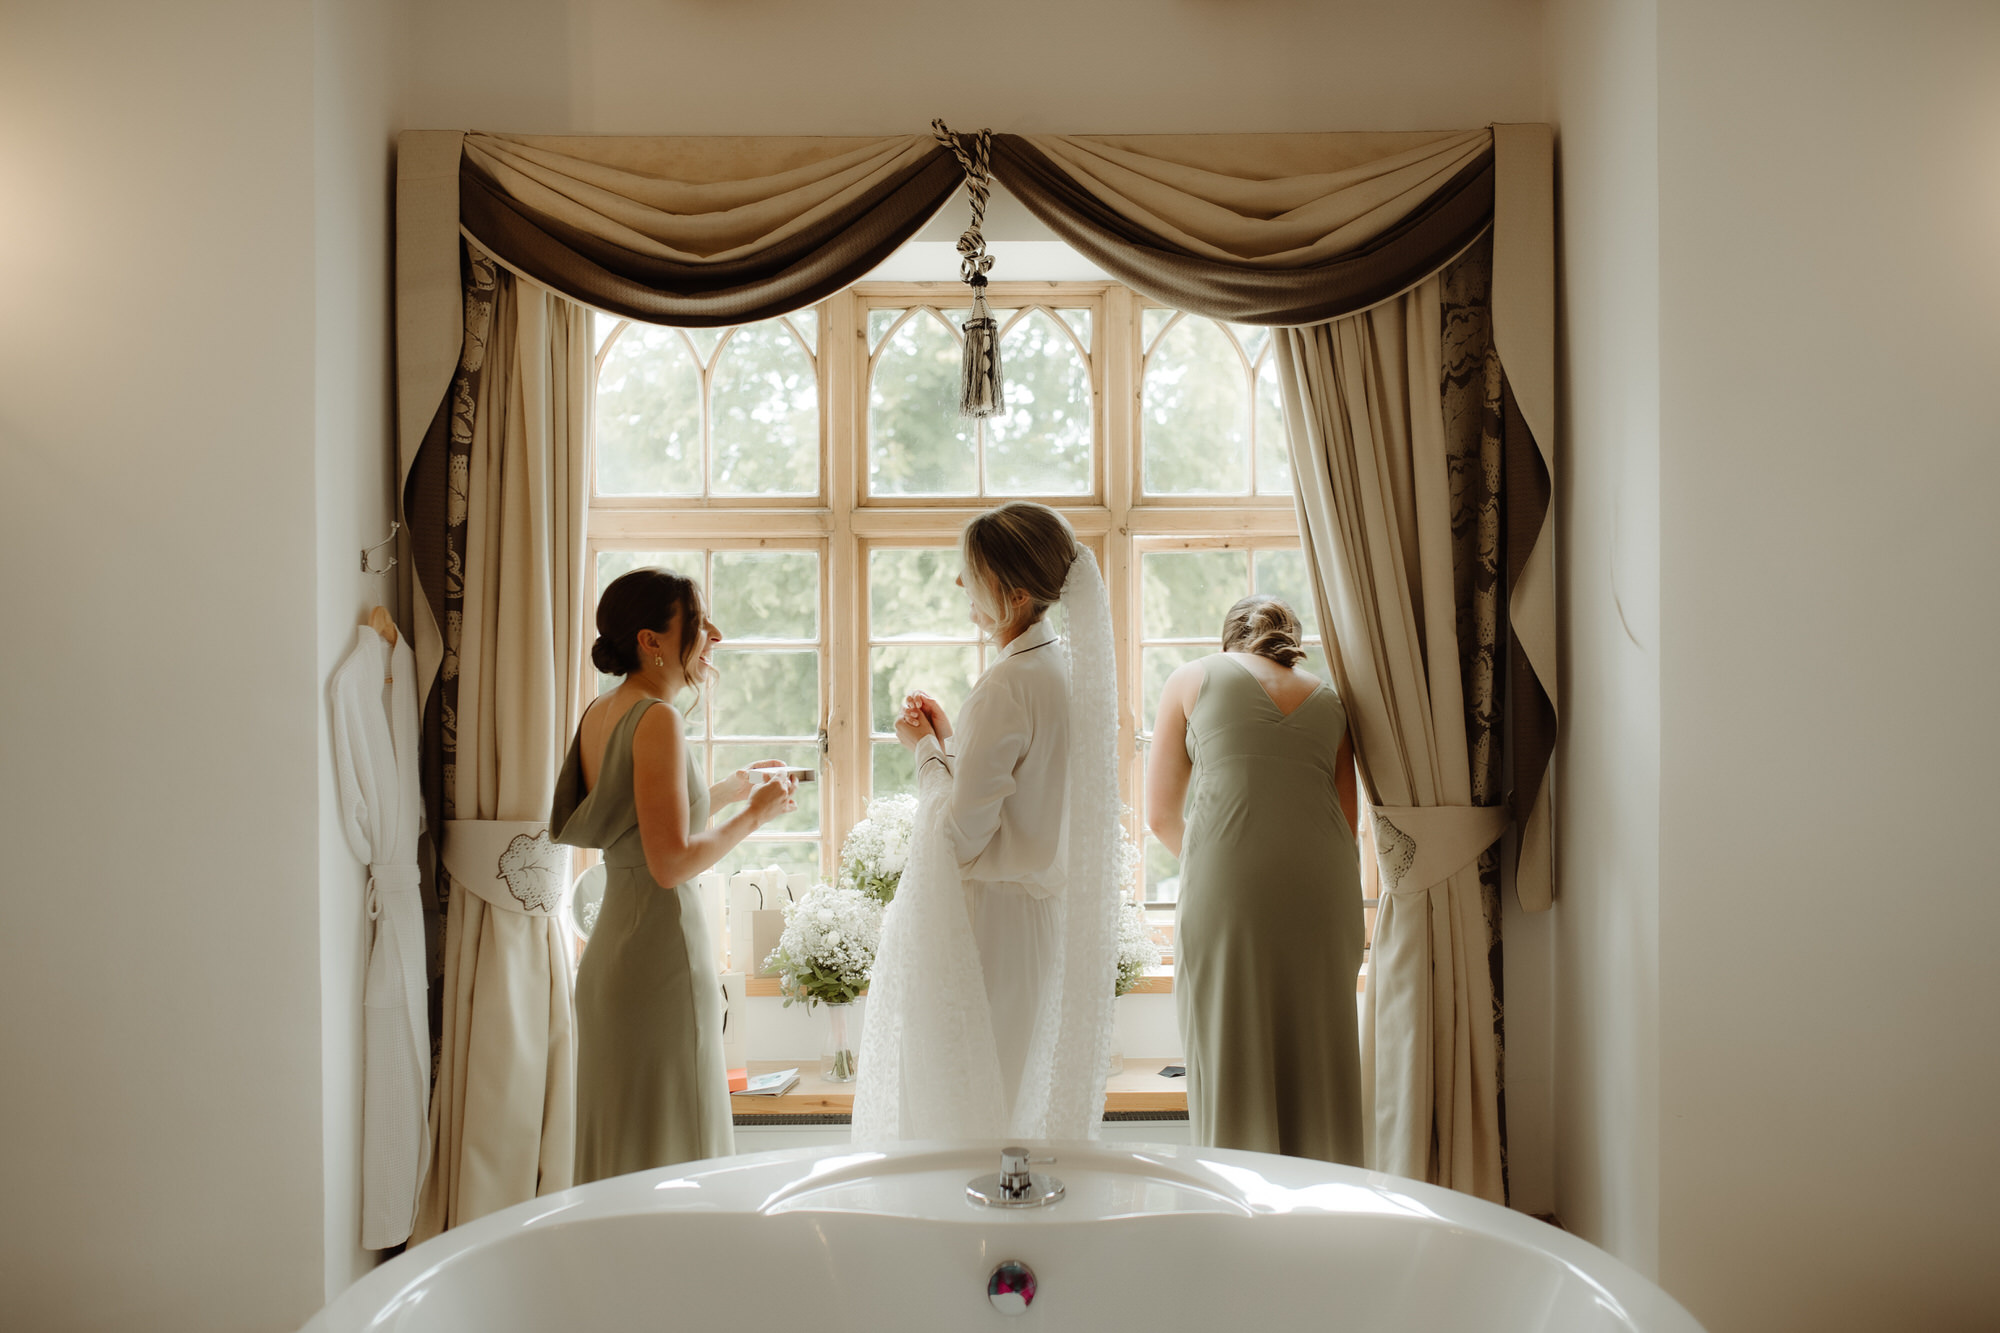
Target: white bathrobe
pixel 375 740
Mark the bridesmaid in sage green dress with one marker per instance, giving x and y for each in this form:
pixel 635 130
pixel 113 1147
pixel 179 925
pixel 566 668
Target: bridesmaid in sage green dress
pixel 1250 782
pixel 651 1086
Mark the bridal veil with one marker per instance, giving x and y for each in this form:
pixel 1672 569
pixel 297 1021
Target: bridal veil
pixel 928 1066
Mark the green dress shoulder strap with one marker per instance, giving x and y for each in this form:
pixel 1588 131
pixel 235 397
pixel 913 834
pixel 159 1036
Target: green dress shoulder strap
pixel 582 816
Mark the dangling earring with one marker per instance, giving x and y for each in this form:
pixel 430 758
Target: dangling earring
pixel 658 660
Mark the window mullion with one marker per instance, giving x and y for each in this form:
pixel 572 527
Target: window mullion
pixel 1116 360
pixel 844 357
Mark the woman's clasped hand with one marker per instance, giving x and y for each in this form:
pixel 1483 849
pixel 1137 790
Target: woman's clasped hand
pixel 767 780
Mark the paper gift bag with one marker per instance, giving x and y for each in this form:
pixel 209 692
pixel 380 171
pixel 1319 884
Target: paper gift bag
pixel 766 928
pixel 735 1023
pixel 713 892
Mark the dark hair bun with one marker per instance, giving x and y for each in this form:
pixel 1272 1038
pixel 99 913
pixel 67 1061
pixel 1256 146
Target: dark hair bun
pixel 645 599
pixel 606 657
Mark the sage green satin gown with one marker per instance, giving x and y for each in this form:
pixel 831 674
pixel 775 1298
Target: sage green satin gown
pixel 1270 933
pixel 651 1086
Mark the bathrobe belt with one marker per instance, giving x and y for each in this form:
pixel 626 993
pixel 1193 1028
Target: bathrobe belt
pixel 508 862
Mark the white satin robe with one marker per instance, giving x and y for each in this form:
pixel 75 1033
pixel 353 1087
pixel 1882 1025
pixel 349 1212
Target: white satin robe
pixel 1009 760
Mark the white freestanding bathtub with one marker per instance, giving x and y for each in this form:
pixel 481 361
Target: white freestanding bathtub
pixel 1161 1239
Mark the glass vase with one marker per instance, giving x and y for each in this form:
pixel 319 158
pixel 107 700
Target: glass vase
pixel 836 1061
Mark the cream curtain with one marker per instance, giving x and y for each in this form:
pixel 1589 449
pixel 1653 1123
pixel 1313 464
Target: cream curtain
pixel 1374 481
pixel 503 1114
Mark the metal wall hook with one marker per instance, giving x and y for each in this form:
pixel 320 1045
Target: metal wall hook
pixel 368 552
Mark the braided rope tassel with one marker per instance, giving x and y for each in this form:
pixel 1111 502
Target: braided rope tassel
pixel 982 390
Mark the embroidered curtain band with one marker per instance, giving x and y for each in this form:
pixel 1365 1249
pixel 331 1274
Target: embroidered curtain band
pixel 1418 848
pixel 508 862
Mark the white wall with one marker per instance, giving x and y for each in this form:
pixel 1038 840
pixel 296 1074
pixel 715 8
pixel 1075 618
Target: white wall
pixel 1604 103
pixel 1829 179
pixel 888 66
pixel 1776 1002
pixel 159 688
pixel 357 82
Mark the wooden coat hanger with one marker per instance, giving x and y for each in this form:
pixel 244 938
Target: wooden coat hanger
pixel 380 621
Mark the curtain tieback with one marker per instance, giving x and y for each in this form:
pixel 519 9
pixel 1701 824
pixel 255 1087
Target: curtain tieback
pixel 390 879
pixel 511 863
pixel 1419 846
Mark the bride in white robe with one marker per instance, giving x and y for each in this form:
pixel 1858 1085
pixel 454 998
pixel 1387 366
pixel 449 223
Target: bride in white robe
pixel 990 1004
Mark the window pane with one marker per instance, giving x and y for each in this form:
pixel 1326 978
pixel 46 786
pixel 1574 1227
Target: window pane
pixel 805 819
pixel 913 594
pixel 946 674
pixel 894 770
pixel 649 415
pixel 807 324
pixel 1252 337
pixel 879 323
pixel 610 564
pixel 1079 322
pixel 766 594
pixel 1195 414
pixel 1150 324
pixel 766 413
pixel 1042 445
pixel 705 341
pixel 1274 461
pixel 1283 574
pixel 1163 873
pixel 1187 593
pixel 917 443
pixel 1156 664
pixel 602 326
pixel 755 854
pixel 766 693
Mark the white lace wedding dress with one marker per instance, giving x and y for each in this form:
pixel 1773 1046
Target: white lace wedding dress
pixel 929 1067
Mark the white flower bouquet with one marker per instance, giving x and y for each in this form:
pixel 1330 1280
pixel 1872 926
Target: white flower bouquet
pixel 877 848
pixel 828 946
pixel 1138 949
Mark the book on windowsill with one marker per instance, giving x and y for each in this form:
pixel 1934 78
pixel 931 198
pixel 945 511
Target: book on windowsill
pixel 772 1084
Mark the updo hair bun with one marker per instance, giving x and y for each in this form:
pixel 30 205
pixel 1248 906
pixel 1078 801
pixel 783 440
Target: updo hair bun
pixel 605 656
pixel 647 599
pixel 1019 546
pixel 1266 626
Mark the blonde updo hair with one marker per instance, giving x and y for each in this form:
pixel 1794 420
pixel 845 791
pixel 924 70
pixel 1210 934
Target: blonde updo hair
pixel 1019 547
pixel 1266 626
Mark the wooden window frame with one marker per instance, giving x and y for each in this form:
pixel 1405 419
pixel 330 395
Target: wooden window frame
pixel 844 522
